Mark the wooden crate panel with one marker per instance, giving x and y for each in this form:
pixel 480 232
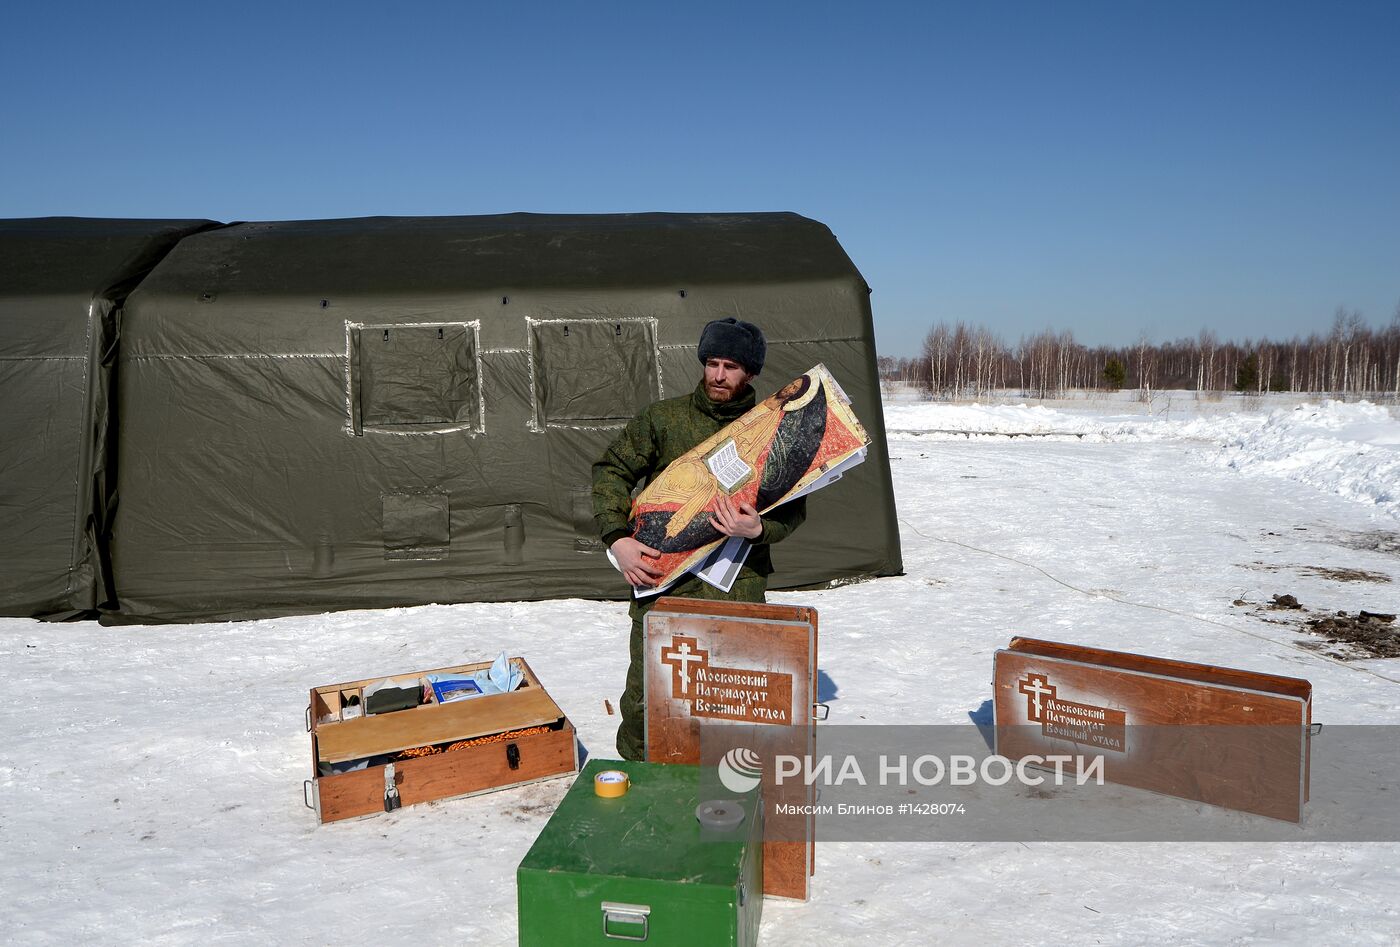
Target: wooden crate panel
pixel 1222 736
pixel 443 775
pixel 435 723
pixel 774 644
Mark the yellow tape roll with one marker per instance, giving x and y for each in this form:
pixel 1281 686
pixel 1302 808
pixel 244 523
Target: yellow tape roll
pixel 611 783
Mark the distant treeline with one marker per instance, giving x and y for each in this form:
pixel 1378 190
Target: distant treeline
pixel 963 361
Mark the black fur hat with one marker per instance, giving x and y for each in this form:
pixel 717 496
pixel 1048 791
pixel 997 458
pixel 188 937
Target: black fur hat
pixel 729 338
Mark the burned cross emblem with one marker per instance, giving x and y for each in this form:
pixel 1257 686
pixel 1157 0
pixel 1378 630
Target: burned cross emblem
pixel 680 656
pixel 1092 724
pixel 750 695
pixel 1037 689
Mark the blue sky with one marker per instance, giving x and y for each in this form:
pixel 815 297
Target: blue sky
pixel 1111 168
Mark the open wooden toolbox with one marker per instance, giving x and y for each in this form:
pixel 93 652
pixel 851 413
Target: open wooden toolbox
pixel 434 750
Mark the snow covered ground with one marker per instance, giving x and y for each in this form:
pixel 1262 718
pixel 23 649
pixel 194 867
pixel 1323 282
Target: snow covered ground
pixel 150 777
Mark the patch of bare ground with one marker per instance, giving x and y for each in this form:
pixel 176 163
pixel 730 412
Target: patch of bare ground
pixel 1344 636
pixel 1377 540
pixel 1374 634
pixel 1325 572
pixel 1344 575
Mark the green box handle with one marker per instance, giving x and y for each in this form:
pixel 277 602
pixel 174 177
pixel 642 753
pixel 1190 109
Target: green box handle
pixel 633 914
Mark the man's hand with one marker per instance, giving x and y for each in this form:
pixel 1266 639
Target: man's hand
pixel 632 558
pixel 742 521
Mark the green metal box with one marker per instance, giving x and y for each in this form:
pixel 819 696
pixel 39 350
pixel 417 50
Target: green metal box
pixel 641 867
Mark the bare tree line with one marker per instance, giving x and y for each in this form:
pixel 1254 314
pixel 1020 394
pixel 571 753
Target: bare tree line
pixel 963 361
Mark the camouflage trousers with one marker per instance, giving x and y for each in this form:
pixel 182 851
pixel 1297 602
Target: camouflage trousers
pixel 631 733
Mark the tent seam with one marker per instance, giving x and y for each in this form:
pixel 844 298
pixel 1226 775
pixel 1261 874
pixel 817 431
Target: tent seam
pixel 75 547
pixel 165 356
pixel 154 357
pixel 834 338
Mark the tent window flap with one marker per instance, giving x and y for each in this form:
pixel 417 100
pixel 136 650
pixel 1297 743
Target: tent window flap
pixel 593 372
pixel 415 378
pixel 416 526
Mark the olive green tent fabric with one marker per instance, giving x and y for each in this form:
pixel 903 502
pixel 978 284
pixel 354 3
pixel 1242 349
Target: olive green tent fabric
pixel 62 281
pixel 385 411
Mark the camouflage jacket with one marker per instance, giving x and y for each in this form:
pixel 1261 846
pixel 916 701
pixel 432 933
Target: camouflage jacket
pixel 659 435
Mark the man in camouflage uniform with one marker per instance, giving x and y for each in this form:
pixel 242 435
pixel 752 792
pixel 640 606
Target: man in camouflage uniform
pixel 732 353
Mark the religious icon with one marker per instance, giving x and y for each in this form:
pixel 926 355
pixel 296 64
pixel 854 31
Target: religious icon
pixel 781 449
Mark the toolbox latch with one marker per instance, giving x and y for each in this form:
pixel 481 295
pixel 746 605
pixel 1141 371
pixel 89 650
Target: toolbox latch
pixel 513 755
pixel 391 792
pixel 616 914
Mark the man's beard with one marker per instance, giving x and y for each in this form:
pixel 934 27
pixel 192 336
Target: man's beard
pixel 721 393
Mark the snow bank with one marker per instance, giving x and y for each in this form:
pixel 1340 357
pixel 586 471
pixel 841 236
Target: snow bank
pixel 986 419
pixel 1350 450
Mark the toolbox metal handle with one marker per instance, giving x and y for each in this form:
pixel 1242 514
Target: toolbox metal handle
pixel 633 914
pixel 821 711
pixel 306 795
pixel 308 718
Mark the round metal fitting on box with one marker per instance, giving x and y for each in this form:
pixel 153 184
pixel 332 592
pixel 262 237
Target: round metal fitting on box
pixel 611 783
pixel 720 815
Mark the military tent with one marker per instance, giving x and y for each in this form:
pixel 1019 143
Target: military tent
pixel 62 281
pixel 389 411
